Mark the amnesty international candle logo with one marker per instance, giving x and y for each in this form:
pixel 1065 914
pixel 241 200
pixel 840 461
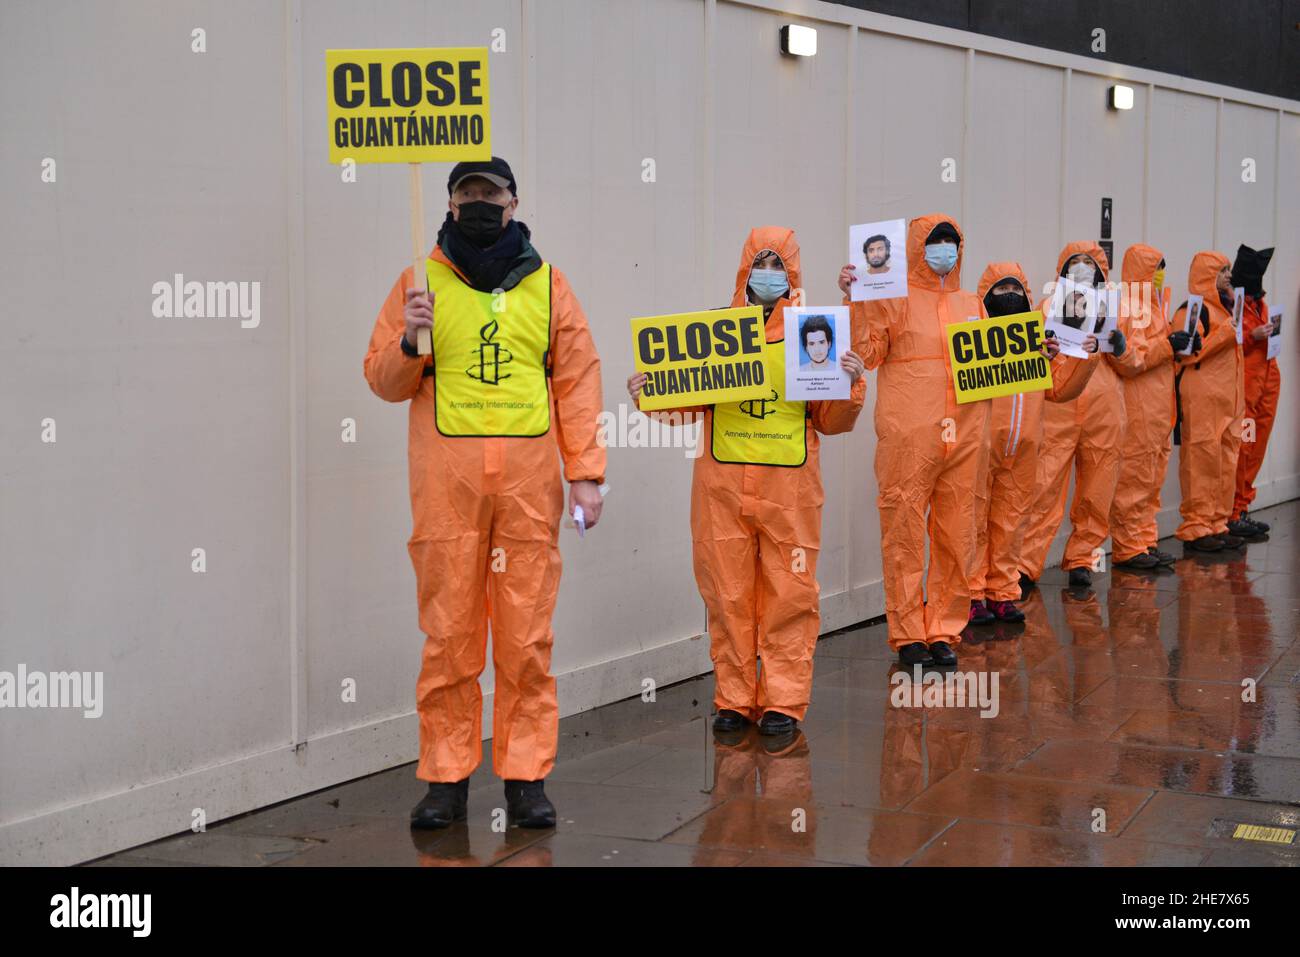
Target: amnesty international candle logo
pixel 760 408
pixel 491 356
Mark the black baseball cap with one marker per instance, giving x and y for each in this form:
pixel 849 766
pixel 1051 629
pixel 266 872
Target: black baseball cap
pixel 496 170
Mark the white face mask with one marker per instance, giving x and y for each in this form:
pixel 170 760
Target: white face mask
pixel 1082 273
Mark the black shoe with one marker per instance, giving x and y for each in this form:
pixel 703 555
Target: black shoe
pixel 915 654
pixel 443 805
pixel 774 722
pixel 1142 561
pixel 527 804
pixel 1244 529
pixel 1231 541
pixel 1027 585
pixel 1262 526
pixel 1164 558
pixel 1080 578
pixel 942 653
pixel 727 720
pixel 1005 611
pixel 1206 543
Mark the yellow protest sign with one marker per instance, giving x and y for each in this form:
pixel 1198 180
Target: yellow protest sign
pixel 1002 356
pixel 408 106
pixel 701 358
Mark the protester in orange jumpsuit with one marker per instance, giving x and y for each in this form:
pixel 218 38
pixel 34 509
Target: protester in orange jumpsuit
pixel 756 513
pixel 1262 387
pixel 1084 433
pixel 486 495
pixel 930 452
pixel 1211 401
pixel 1150 410
pixel 1017 431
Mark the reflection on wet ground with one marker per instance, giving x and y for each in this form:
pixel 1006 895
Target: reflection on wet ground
pixel 1139 722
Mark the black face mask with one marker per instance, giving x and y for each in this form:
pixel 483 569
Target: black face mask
pixel 1006 304
pixel 480 223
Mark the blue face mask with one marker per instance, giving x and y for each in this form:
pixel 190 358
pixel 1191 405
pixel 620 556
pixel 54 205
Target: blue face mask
pixel 769 285
pixel 941 257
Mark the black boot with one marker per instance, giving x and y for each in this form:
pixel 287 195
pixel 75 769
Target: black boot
pixel 726 721
pixel 942 653
pixel 527 804
pixel 1164 558
pixel 441 806
pixel 1244 529
pixel 1080 578
pixel 1027 585
pixel 1231 541
pixel 1262 526
pixel 774 722
pixel 1142 561
pixel 1206 543
pixel 915 654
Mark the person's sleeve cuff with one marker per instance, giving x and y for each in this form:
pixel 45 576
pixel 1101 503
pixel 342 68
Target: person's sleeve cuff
pixel 408 349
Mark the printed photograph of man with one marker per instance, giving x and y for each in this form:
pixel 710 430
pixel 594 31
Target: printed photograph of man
pixel 817 336
pixel 877 251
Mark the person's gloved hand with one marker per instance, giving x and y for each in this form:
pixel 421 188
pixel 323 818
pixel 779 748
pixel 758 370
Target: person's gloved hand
pixel 1117 343
pixel 1178 340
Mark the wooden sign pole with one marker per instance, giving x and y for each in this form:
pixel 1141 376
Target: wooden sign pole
pixel 423 338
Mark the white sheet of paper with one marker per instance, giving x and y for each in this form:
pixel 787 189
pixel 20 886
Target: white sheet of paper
pixel 1107 300
pixel 1275 337
pixel 812 359
pixel 1238 309
pixel 1194 306
pixel 1083 298
pixel 889 281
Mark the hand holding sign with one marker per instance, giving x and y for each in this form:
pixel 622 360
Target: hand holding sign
pixel 418 314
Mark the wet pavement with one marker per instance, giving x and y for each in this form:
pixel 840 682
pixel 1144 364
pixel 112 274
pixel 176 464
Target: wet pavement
pixel 1141 722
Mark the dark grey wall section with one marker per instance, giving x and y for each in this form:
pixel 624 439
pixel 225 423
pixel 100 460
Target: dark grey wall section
pixel 1251 44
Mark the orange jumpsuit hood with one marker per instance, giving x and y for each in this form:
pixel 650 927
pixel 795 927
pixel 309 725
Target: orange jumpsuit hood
pixel 995 273
pixel 1088 248
pixel 1140 263
pixel 918 271
pixel 780 240
pixel 1203 272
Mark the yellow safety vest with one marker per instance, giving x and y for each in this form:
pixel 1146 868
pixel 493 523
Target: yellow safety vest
pixel 763 431
pixel 489 366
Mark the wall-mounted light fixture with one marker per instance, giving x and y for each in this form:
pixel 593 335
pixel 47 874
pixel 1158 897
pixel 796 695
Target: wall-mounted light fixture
pixel 798 41
pixel 1120 97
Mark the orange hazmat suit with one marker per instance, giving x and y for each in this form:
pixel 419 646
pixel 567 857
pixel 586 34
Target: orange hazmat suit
pixel 931 453
pixel 1016 433
pixel 486 512
pixel 1211 400
pixel 1263 385
pixel 1084 433
pixel 756 528
pixel 1149 407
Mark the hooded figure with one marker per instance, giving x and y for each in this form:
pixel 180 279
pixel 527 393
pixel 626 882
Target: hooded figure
pixel 1150 408
pixel 756 507
pixel 1017 431
pixel 1211 401
pixel 486 482
pixel 1084 433
pixel 1263 383
pixel 931 453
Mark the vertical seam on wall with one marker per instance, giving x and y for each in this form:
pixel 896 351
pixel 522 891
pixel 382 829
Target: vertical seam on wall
pixel 1277 187
pixel 294 230
pixel 707 141
pixel 1065 158
pixel 1146 164
pixel 966 108
pixel 1218 146
pixel 850 211
pixel 704 224
pixel 528 109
